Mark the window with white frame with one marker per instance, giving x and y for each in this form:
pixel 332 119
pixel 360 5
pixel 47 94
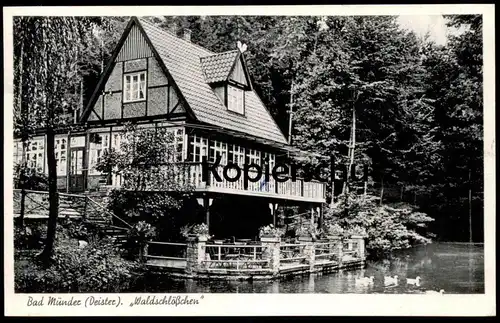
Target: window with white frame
pixel 98 145
pixel 18 152
pixel 60 149
pixel 177 144
pixel 238 155
pixel 35 154
pixel 271 161
pixel 235 99
pixel 198 148
pixel 253 156
pixel 134 87
pixel 116 141
pixel 216 149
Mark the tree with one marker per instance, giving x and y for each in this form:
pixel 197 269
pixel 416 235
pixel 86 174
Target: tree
pixel 49 49
pixel 155 180
pixel 455 82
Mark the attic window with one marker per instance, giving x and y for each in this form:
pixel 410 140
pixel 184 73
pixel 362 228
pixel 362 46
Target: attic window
pixel 235 99
pixel 134 87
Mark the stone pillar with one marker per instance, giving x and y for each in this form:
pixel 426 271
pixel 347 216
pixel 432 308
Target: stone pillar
pixel 361 246
pixel 271 252
pixel 337 249
pixel 349 244
pixel 309 252
pixel 195 254
pixel 143 252
pixel 340 251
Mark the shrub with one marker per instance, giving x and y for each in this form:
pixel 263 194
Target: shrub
pixel 270 231
pixel 194 229
pixel 388 227
pixel 152 205
pixel 333 229
pixel 33 179
pixel 30 236
pixel 137 236
pixel 95 268
pixel 78 229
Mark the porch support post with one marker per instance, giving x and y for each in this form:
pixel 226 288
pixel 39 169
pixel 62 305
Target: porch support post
pixel 86 162
pixel 319 209
pixel 68 161
pixel 312 217
pixel 272 207
pixel 206 204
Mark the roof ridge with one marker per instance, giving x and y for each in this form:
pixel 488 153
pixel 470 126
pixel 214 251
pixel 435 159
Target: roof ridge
pixel 143 20
pixel 221 53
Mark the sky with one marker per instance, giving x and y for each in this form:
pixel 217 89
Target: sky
pixel 434 24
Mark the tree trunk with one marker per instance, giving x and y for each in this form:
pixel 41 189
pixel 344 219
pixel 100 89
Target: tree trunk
pixel 470 208
pixel 22 175
pixel 352 147
pixel 382 191
pixel 53 198
pixel 332 202
pixel 291 114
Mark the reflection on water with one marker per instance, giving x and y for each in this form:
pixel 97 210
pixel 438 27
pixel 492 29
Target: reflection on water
pixel 456 268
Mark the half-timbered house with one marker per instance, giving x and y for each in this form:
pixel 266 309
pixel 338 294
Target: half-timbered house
pixel 207 99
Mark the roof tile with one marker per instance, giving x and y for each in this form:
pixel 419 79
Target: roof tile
pixel 218 66
pixel 183 59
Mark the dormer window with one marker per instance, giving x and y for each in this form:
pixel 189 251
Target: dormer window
pixel 235 99
pixel 134 87
pixel 228 76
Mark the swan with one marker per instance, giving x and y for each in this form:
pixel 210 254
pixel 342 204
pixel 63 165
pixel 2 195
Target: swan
pixel 388 280
pixel 364 280
pixel 433 292
pixel 411 281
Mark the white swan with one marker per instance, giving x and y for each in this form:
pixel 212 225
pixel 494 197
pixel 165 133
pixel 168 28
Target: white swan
pixel 433 292
pixel 364 280
pixel 411 281
pixel 388 280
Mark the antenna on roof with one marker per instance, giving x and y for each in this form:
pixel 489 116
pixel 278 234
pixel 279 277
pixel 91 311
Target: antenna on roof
pixel 242 47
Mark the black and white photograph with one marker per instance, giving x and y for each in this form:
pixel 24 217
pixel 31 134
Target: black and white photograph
pixel 181 159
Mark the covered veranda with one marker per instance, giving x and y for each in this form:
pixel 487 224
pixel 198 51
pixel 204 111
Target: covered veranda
pixel 237 218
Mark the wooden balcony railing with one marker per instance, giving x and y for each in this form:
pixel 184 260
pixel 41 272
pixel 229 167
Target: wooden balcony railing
pixel 192 174
pixel 298 189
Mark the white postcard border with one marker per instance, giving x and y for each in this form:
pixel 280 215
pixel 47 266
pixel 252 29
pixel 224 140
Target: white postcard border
pixel 271 304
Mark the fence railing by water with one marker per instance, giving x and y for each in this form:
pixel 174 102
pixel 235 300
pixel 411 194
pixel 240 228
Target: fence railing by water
pixel 268 257
pixel 234 257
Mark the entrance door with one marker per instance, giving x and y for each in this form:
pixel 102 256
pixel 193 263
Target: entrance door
pixel 76 179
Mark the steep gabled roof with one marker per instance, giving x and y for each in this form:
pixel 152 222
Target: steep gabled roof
pixel 218 66
pixel 181 61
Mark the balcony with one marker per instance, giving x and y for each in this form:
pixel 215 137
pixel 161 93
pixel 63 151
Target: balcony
pixel 191 174
pixel 299 190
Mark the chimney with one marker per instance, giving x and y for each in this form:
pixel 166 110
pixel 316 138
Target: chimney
pixel 187 34
pixel 173 29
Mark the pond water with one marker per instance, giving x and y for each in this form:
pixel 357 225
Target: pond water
pixel 454 267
